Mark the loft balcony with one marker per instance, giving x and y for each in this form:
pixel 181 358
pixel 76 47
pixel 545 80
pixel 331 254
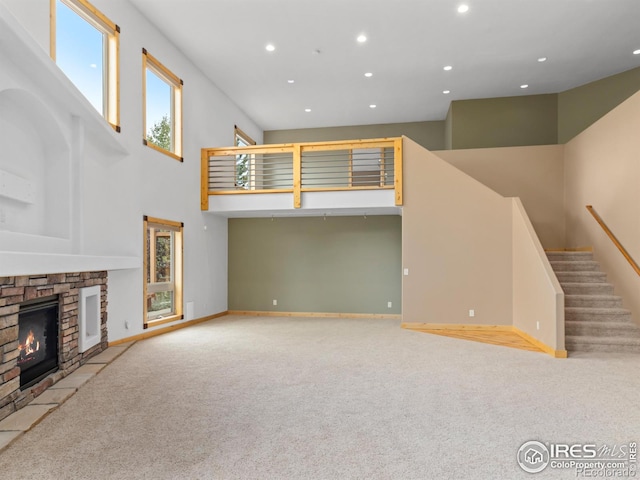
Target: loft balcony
pixel 344 177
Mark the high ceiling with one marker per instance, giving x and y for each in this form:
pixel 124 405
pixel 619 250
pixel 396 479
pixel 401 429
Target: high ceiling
pixel 493 48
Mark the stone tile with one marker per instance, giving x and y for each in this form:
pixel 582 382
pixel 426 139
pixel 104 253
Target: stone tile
pixel 75 381
pixel 108 355
pixel 25 418
pixel 92 368
pixel 7 437
pixel 53 396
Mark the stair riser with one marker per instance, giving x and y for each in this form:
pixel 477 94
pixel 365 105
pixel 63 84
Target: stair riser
pixel 590 347
pixel 593 302
pixel 579 277
pixel 588 289
pixel 570 316
pixel 595 329
pixel 569 256
pixel 575 266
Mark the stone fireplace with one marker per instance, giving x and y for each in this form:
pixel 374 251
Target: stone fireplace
pixel 30 306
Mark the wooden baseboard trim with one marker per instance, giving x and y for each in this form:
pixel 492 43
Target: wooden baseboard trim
pixel 455 326
pixel 576 249
pixel 542 346
pixel 314 314
pixel 487 328
pixel 171 328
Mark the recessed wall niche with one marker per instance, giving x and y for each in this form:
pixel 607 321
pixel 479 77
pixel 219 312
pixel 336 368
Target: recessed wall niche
pixel 35 183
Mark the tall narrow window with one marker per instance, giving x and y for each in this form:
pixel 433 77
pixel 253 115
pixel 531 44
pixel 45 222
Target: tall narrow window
pixel 245 170
pixel 84 44
pixel 162 117
pixel 163 271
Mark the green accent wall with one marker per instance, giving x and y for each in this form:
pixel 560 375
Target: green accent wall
pixel 494 122
pixel 504 122
pixel 428 134
pixel 580 107
pixel 312 264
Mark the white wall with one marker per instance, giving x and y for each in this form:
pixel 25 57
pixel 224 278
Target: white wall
pixel 117 190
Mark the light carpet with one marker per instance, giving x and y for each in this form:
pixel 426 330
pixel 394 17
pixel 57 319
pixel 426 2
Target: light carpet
pixel 306 398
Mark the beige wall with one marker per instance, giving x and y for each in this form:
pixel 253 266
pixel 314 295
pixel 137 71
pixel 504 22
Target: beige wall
pixel 535 174
pixel 602 168
pixel 428 134
pixel 504 122
pixel 309 264
pixel 580 107
pixel 456 243
pixel 538 299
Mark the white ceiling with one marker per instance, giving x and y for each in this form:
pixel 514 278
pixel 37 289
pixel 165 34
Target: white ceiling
pixel 493 49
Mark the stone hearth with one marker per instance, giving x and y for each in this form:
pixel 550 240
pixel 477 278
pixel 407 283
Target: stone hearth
pixel 16 290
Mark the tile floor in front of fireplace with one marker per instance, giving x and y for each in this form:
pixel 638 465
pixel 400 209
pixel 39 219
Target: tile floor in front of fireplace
pixel 24 419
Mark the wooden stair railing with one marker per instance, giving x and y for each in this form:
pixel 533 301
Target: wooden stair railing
pixel 613 238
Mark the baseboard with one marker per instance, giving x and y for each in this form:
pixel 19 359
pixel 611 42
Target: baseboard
pixel 542 346
pixel 314 314
pixel 171 328
pixel 488 328
pixel 576 249
pixel 455 326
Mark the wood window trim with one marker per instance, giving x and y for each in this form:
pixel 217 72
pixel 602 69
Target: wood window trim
pixel 149 62
pixel 239 133
pixel 178 260
pixel 102 23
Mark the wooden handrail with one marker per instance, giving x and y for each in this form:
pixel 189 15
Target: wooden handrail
pixel 613 238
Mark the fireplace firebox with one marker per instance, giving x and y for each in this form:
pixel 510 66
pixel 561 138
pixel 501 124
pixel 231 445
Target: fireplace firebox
pixel 38 340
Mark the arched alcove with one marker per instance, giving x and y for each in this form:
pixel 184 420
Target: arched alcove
pixel 35 177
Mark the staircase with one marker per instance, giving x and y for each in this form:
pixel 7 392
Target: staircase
pixel 594 317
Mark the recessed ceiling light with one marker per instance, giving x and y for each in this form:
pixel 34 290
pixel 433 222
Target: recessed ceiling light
pixel 362 38
pixel 463 8
pixel 270 47
pixel 307 110
pixel 542 59
pixel 372 106
pixel 447 68
pixel 636 52
pixel 368 74
pixel 446 92
pixel 291 81
pixel 524 86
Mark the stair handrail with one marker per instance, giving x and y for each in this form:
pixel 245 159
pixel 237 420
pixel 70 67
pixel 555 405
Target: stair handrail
pixel 613 238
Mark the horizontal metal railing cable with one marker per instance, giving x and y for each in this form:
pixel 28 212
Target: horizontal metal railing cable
pixel 319 166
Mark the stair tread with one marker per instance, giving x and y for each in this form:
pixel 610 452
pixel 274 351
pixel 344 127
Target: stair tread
pixel 604 323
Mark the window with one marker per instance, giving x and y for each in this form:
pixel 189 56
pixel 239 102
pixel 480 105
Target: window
pixel 162 117
pixel 84 44
pixel 163 271
pixel 245 174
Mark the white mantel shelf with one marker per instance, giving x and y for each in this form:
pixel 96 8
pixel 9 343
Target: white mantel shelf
pixel 21 263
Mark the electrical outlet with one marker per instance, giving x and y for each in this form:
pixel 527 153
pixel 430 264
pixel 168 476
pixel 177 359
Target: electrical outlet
pixel 389 304
pixel 275 302
pixel 406 271
pixel 472 313
pixel 538 325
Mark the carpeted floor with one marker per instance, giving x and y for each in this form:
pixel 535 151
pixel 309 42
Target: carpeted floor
pixel 291 398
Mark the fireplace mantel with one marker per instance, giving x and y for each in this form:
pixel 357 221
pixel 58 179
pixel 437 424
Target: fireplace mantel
pixel 23 263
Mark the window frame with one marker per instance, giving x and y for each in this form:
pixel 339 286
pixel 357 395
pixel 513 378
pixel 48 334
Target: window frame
pixel 111 56
pixel 149 62
pixel 177 266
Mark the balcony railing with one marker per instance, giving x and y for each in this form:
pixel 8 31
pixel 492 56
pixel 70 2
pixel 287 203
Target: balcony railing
pixel 303 167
